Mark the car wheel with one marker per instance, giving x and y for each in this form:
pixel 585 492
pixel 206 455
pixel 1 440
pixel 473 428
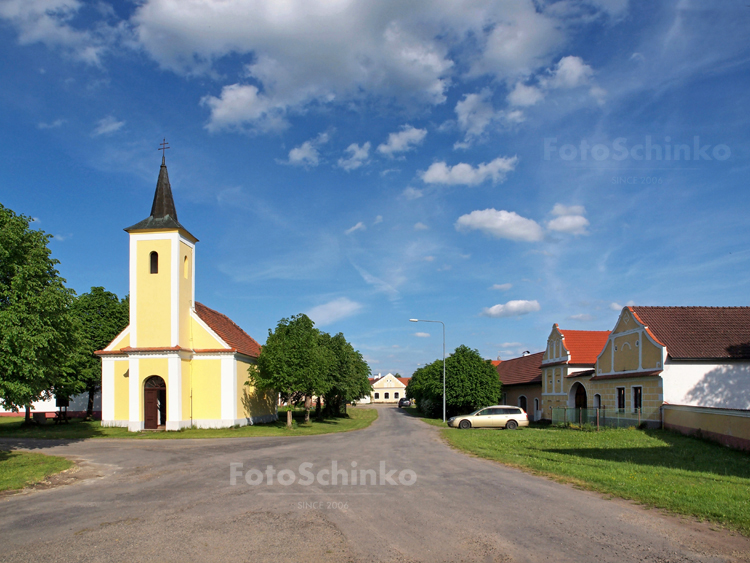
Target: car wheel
pixel 464 424
pixel 511 425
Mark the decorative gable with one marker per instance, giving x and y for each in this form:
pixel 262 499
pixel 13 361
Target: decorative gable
pixel 630 349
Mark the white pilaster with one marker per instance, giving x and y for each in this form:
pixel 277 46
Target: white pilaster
pixel 108 389
pixel 228 388
pixel 174 393
pixel 135 400
pixel 174 269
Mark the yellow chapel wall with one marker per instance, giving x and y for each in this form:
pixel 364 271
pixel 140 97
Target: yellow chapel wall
pixel 250 401
pixel 185 274
pixel 122 390
pixel 187 381
pixel 153 296
pixel 202 339
pixel 206 389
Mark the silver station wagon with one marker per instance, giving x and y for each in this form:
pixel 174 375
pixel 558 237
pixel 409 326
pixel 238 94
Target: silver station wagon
pixel 498 416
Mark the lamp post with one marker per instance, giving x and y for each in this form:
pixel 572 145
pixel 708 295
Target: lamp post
pixel 442 323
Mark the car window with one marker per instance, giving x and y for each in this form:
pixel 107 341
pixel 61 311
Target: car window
pixel 495 411
pixel 484 412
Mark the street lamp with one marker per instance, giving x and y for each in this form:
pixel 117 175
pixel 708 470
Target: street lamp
pixel 442 323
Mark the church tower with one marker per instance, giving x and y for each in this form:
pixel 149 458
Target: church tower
pixel 162 281
pixel 178 364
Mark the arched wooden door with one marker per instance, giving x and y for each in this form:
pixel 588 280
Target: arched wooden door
pixel 154 402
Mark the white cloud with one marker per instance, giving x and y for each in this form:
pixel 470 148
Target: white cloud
pixel 570 224
pixel 357 156
pixel 501 224
pixel 107 126
pixel 405 140
pixel 49 22
pixel 412 193
pixel 581 317
pixel 569 219
pixel 524 96
pixel 307 154
pixel 420 227
pixel 54 125
pixel 429 258
pixel 475 113
pixel 333 311
pixel 378 219
pixel 559 209
pixel 501 286
pixel 466 174
pixel 569 72
pixel 358 227
pixel 243 105
pixel 422 334
pixel 514 308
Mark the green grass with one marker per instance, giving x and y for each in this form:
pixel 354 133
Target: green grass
pixel 656 468
pixel 20 469
pixel 357 418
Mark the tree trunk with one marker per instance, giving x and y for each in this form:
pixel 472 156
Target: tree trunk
pixel 318 411
pixel 28 414
pixel 289 417
pixel 90 406
pixel 308 405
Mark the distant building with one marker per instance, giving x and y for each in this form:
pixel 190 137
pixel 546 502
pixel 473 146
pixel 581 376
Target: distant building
pixel 388 388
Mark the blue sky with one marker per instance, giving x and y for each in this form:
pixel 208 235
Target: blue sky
pixel 499 166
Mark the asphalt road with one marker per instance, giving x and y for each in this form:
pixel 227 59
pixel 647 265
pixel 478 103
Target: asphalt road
pixel 174 501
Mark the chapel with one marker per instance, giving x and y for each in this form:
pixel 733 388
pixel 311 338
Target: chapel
pixel 179 363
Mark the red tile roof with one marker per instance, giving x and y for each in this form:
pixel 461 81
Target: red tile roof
pixel 404 380
pixel 699 332
pixel 496 362
pixel 228 331
pixel 584 345
pixel 526 369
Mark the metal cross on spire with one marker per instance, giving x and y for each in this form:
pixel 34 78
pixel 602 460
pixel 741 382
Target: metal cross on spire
pixel 163 147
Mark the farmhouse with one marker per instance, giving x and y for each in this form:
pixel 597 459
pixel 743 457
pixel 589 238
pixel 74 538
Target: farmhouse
pixel 521 379
pixel 388 388
pixel 179 363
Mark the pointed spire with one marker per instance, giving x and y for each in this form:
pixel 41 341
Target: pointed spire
pixel 163 211
pixel 163 205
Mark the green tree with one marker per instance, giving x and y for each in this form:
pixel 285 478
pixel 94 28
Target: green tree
pixel 293 361
pixel 348 373
pixel 471 383
pixel 37 332
pixel 101 316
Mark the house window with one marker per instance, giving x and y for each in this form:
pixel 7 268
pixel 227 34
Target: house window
pixel 377 395
pixel 185 268
pixel 522 402
pixel 154 262
pixel 621 399
pixel 386 395
pixel 597 401
pixel 637 398
pixel 536 405
pixel 395 395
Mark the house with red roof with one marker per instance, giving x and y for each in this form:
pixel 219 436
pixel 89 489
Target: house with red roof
pixel 179 363
pixel 567 364
pixel 694 357
pixel 521 380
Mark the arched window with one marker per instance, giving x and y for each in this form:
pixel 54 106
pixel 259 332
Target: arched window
pixel 597 401
pixel 522 402
pixel 377 395
pixel 154 262
pixel 185 268
pixel 386 396
pixel 395 395
pixel 536 405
